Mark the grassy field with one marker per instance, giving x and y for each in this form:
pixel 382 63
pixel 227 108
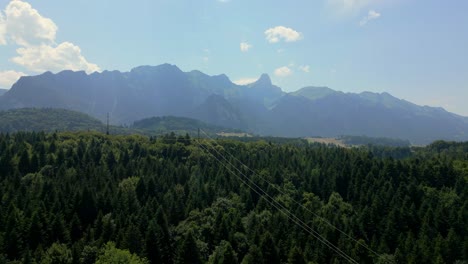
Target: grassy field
pixel 332 141
pixel 231 134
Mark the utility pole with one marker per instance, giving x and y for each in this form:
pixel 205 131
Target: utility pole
pixel 107 128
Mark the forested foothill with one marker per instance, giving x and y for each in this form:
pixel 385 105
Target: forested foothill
pixel 87 197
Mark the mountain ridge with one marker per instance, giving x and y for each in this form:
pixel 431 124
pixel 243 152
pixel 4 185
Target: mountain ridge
pixel 260 107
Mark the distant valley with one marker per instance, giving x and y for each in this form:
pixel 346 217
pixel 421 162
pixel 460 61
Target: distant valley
pixel 260 108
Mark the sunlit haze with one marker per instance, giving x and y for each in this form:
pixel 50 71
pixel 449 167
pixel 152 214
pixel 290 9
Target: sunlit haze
pixel 414 49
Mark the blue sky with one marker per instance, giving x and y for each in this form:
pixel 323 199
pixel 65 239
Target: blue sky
pixel 414 49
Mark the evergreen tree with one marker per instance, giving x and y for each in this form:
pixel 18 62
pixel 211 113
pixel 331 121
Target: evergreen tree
pixel 295 256
pixel 57 254
pixel 188 251
pixel 223 254
pixel 253 256
pixel 269 250
pixel 153 252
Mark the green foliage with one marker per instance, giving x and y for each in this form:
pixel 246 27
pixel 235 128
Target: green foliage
pixel 223 254
pixel 57 254
pixel 110 254
pixel 47 119
pixel 269 250
pixel 295 256
pixel 253 256
pixel 89 255
pixel 376 141
pixel 86 197
pixel 178 125
pixel 188 251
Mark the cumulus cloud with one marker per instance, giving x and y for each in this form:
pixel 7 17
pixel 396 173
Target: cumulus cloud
pixel 283 71
pixel 245 81
pixel 244 46
pixel 2 30
pixel 24 26
pixel 304 68
pixel 46 58
pixel 372 15
pixel 276 34
pixel 8 78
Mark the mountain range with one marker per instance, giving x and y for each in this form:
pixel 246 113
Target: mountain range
pixel 261 107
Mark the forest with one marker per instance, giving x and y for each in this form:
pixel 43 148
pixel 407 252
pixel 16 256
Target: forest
pixel 87 197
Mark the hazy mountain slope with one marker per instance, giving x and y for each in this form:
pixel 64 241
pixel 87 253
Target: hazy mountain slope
pixel 47 119
pixel 2 91
pixel 218 84
pixel 354 114
pixel 260 107
pixel 217 110
pixel 143 92
pixel 313 93
pixel 264 91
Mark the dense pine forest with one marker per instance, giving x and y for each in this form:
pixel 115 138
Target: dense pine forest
pixel 87 197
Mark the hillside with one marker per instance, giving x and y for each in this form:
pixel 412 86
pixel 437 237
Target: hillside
pixel 81 197
pixel 369 114
pixel 48 120
pixel 178 125
pixel 2 91
pixel 259 108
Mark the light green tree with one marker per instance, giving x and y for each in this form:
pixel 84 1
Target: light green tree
pixel 111 254
pixel 57 254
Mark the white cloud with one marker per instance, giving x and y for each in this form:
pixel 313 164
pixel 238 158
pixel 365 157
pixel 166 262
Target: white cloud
pixel 2 30
pixel 8 78
pixel 372 15
pixel 283 71
pixel 47 58
pixel 245 81
pixel 274 35
pixel 304 68
pixel 244 46
pixel 24 26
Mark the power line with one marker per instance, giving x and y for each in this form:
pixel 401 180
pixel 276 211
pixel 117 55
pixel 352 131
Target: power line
pixel 107 127
pixel 299 204
pixel 288 214
pixel 282 208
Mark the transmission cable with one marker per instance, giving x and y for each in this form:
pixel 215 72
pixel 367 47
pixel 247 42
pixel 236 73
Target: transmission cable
pixel 282 209
pixel 299 204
